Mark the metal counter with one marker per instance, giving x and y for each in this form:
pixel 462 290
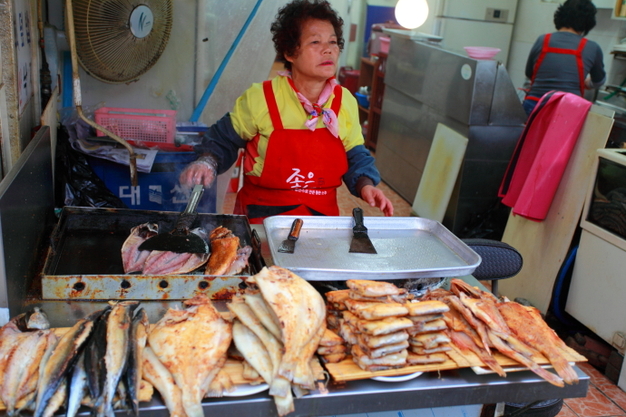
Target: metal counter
pixel 432 389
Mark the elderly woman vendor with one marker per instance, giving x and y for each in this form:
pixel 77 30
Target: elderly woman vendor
pixel 300 130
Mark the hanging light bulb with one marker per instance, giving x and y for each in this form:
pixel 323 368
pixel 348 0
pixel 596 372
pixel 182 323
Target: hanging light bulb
pixel 411 14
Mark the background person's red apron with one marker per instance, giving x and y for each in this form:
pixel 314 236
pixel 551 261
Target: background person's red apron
pixel 578 53
pixel 301 173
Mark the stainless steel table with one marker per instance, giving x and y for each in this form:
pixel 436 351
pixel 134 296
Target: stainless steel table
pixel 431 389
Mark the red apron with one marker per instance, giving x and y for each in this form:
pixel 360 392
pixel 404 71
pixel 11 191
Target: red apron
pixel 301 173
pixel 578 53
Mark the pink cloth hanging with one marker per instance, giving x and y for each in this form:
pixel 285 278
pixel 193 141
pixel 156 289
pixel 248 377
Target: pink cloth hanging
pixel 542 154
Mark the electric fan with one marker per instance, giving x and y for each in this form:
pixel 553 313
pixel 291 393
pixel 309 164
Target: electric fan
pixel 119 40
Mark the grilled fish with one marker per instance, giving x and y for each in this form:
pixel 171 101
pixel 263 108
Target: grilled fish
pixel 78 386
pixel 263 312
pixel 172 263
pixel 248 317
pixel 118 341
pixel 95 351
pixel 226 256
pixel 134 259
pixel 59 362
pixel 528 325
pixel 253 350
pixel 21 374
pixel 34 319
pixel 295 302
pixel 192 344
pixel 10 337
pixel 132 376
pixel 157 374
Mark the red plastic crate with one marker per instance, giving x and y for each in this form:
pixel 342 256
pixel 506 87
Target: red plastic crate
pixel 139 126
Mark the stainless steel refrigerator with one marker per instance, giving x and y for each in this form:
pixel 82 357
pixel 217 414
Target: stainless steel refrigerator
pixel 475 23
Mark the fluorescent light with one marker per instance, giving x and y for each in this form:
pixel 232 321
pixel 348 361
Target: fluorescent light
pixel 411 14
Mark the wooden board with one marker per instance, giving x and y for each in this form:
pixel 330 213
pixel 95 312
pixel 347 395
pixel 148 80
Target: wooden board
pixel 348 370
pixel 440 173
pixel 544 245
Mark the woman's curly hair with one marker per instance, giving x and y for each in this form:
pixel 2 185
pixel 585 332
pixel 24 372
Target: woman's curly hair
pixel 579 15
pixel 287 27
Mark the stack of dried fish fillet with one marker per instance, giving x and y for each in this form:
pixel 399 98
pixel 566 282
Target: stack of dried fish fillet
pixel 277 330
pixel 226 257
pixel 383 327
pixel 479 323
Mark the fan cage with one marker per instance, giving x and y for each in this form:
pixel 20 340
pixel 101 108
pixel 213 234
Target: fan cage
pixel 106 47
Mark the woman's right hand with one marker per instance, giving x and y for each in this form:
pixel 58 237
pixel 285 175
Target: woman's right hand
pixel 201 171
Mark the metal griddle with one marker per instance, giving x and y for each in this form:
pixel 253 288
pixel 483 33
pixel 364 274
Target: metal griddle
pixel 84 259
pixel 408 248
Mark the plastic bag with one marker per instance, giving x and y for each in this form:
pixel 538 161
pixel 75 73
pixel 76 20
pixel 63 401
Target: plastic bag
pixel 78 184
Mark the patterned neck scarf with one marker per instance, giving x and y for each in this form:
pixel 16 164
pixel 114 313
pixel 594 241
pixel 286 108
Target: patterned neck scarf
pixel 314 110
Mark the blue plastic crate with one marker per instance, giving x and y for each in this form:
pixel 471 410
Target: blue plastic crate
pixel 157 190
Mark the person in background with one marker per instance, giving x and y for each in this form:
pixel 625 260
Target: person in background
pixel 300 131
pixel 565 60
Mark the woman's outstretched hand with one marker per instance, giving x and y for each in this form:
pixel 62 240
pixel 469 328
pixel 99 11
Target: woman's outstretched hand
pixel 376 198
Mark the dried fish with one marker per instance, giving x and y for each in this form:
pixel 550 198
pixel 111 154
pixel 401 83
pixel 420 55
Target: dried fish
pixel 134 259
pixel 60 361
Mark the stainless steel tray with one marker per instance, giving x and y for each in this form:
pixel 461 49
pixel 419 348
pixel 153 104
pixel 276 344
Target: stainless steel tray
pixel 408 247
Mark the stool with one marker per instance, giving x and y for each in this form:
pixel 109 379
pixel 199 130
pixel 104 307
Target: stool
pixel 499 261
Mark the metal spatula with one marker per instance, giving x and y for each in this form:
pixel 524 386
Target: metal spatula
pixel 180 239
pixel 361 242
pixel 288 245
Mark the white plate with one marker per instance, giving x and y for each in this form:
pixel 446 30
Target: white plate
pixel 398 378
pixel 247 389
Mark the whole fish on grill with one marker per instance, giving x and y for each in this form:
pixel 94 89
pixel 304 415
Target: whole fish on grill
pixel 227 258
pixel 134 259
pixel 61 360
pixel 22 370
pixel 173 263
